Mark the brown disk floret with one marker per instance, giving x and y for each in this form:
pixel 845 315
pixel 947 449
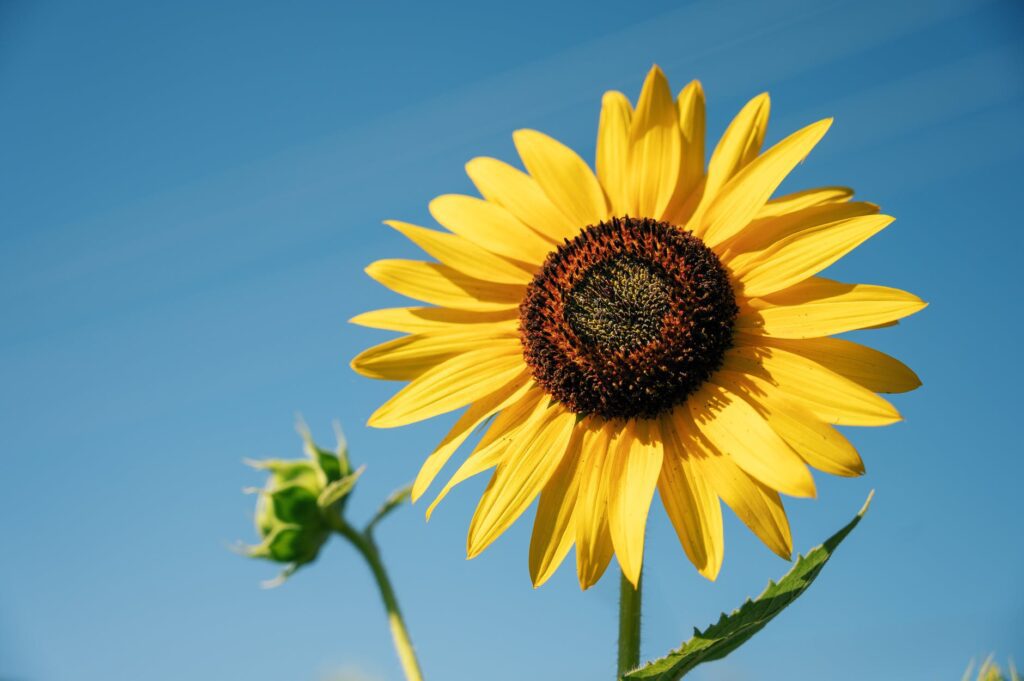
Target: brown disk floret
pixel 628 319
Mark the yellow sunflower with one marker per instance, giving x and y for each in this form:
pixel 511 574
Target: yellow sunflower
pixel 656 325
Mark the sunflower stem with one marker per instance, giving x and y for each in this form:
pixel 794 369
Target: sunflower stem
pixel 367 548
pixel 629 625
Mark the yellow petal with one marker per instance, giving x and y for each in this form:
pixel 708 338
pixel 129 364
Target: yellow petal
pixel 690 104
pixel 804 254
pixel 452 384
pixel 613 151
pixel 478 412
pixel 554 529
pixel 634 470
pixel 654 147
pixel 866 366
pixel 691 502
pixel 817 443
pixel 681 211
pixel 441 285
pixel 423 319
pixel 518 420
pixel 738 146
pixel 563 175
pixel 758 506
pixel 406 358
pixel 528 465
pixel 463 255
pixel 822 307
pixel 519 194
pixel 804 199
pixel 593 541
pixel 737 430
pixel 740 200
pixel 749 245
pixel 829 396
pixel 490 226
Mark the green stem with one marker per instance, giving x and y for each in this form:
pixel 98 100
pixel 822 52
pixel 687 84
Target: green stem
pixel 629 625
pixel 364 544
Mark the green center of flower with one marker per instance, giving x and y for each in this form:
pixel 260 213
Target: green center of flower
pixel 620 304
pixel 628 319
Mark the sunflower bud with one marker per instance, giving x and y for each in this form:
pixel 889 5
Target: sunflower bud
pixel 298 502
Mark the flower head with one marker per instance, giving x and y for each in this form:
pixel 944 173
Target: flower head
pixel 658 325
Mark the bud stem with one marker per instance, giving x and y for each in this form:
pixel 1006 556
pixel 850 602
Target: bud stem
pixel 365 545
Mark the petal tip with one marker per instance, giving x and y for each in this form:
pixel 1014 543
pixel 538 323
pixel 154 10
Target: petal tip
pixel 694 86
pixel 709 573
pixel 762 99
pixel 523 133
pixel 379 419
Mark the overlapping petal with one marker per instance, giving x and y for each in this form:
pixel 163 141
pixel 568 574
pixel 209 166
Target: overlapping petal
pixel 634 470
pixel 757 505
pixel 612 161
pixel 593 540
pixel 765 231
pixel 690 501
pixel 826 394
pixel 748 191
pixel 866 366
pixel 520 195
pixel 654 148
pixel 424 319
pixel 817 443
pixel 463 255
pixel 519 418
pixel 822 307
pixel 406 358
pixel 491 227
pixel 807 198
pixel 512 393
pixel 450 385
pixel 441 285
pixel 530 462
pixel 554 528
pixel 738 146
pixel 733 426
pixel 563 175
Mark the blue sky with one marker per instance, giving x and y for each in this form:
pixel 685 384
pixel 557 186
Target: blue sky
pixel 190 193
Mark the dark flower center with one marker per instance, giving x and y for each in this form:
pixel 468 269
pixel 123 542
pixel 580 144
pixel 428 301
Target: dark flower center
pixel 628 319
pixel 619 304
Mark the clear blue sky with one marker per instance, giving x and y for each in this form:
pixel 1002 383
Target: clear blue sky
pixel 189 193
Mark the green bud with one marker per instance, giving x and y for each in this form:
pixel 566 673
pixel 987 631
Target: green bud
pixel 298 501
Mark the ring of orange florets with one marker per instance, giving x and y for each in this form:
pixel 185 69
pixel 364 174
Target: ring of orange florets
pixel 628 319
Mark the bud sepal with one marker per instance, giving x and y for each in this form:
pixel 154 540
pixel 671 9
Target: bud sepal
pixel 300 503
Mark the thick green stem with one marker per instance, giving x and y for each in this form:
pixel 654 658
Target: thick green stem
pixel 629 625
pixel 363 542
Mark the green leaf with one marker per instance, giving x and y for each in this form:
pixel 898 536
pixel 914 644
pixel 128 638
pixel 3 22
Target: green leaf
pixel 731 631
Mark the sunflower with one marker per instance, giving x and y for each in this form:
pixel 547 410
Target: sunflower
pixel 656 325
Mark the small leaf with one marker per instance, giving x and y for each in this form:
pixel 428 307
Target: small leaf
pixel 731 631
pixel 396 499
pixel 339 489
